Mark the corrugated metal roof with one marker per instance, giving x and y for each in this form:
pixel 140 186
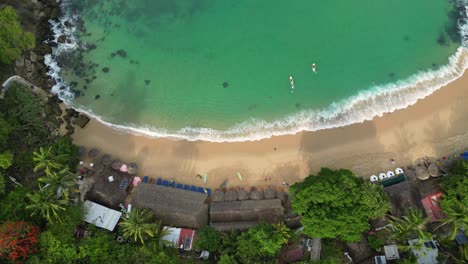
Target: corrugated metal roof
pixel 101 216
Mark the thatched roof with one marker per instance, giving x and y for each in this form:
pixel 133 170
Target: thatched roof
pixel 282 196
pixel 175 207
pixel 422 173
pixel 108 193
pixel 218 196
pixel 228 226
pixel 434 170
pixel 269 193
pixel 93 153
pixel 106 159
pixel 116 164
pixel 251 210
pixel 230 195
pixel 402 197
pixel 242 195
pixel 132 168
pixel 256 195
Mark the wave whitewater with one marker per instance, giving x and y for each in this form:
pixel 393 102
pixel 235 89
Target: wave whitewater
pixel 364 106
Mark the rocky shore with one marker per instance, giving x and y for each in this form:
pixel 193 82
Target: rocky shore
pixel 34 17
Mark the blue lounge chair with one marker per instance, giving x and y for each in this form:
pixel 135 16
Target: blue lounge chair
pixel 193 188
pixel 165 183
pixel 179 186
pixel 146 179
pixel 187 187
pixel 159 182
pixel 200 190
pixel 172 184
pixel 208 191
pixel 123 184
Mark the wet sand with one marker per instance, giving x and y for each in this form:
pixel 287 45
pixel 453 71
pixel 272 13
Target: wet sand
pixel 435 126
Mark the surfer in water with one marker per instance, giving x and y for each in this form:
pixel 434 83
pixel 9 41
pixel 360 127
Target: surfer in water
pixel 291 81
pixel 314 68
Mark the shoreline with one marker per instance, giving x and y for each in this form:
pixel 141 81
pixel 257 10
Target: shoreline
pixel 433 127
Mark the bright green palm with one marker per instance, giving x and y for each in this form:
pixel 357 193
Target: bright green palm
pixel 410 226
pixel 45 159
pixel 456 216
pixel 63 181
pixel 140 226
pixel 46 204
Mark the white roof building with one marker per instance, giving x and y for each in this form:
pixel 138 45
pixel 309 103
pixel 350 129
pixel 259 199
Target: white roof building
pixel 391 252
pixel 427 254
pixel 101 216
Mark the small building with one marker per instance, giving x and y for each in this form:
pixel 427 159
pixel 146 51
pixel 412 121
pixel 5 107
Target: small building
pixel 109 188
pixel 431 204
pixel 241 215
pixel 425 254
pixel 180 237
pixel 175 207
pixel 101 216
pixel 391 252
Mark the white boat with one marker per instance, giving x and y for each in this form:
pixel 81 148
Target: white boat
pixel 291 81
pixel 314 67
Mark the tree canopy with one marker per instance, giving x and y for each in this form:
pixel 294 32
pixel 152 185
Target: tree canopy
pixel 208 239
pixel 337 204
pixel 455 184
pixel 13 40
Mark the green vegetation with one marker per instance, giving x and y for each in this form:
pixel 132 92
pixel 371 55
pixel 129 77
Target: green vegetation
pixel 337 204
pixel 13 40
pixel 456 216
pixel 455 184
pixel 140 226
pixel 208 239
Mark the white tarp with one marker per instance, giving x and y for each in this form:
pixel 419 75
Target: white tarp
pixel 173 236
pixel 101 216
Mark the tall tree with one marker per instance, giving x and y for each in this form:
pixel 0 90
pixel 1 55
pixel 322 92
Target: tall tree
pixel 46 159
pixel 455 184
pixel 46 204
pixel 456 216
pixel 337 204
pixel 13 40
pixel 140 226
pixel 62 182
pixel 412 225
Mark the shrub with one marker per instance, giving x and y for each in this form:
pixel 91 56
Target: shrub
pixel 17 241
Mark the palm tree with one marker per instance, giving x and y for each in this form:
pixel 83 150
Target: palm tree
pixel 62 181
pixel 139 226
pixel 456 216
pixel 46 159
pixel 230 242
pixel 46 204
pixel 410 226
pixel 283 231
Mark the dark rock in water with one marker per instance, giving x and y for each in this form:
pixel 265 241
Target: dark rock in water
pixel 122 53
pixel 441 40
pixel 81 121
pixel 85 87
pixel 73 84
pixel 225 84
pixel 97 97
pixel 105 69
pixel 391 75
pixel 112 94
pixel 68 23
pixel 147 82
pixel 113 54
pixel 88 81
pixel 132 62
pixel 298 105
pixel 62 88
pixel 62 39
pixel 434 65
pixel 94 77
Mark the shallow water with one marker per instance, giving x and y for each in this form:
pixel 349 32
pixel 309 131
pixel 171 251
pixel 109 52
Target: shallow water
pixel 181 64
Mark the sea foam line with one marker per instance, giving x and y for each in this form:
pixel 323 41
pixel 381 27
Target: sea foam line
pixel 364 106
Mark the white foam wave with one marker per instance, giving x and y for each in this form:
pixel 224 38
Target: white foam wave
pixel 364 106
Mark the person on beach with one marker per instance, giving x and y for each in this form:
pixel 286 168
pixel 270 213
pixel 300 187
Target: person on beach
pixel 172 180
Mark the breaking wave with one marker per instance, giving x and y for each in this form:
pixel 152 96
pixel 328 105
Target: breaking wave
pixel 366 105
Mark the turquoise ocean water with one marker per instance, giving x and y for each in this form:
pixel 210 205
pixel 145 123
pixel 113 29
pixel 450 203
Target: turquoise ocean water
pixel 219 70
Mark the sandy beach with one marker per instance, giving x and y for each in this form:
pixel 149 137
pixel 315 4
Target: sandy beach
pixel 435 126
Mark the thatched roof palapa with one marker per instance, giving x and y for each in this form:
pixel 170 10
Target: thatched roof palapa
pixel 434 170
pixel 105 192
pixel 230 195
pixel 228 226
pixel 116 164
pixel 269 193
pixel 242 195
pixel 132 168
pixel 260 210
pixel 106 159
pixel 218 196
pixel 175 207
pixel 422 173
pixel 93 153
pixel 256 195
